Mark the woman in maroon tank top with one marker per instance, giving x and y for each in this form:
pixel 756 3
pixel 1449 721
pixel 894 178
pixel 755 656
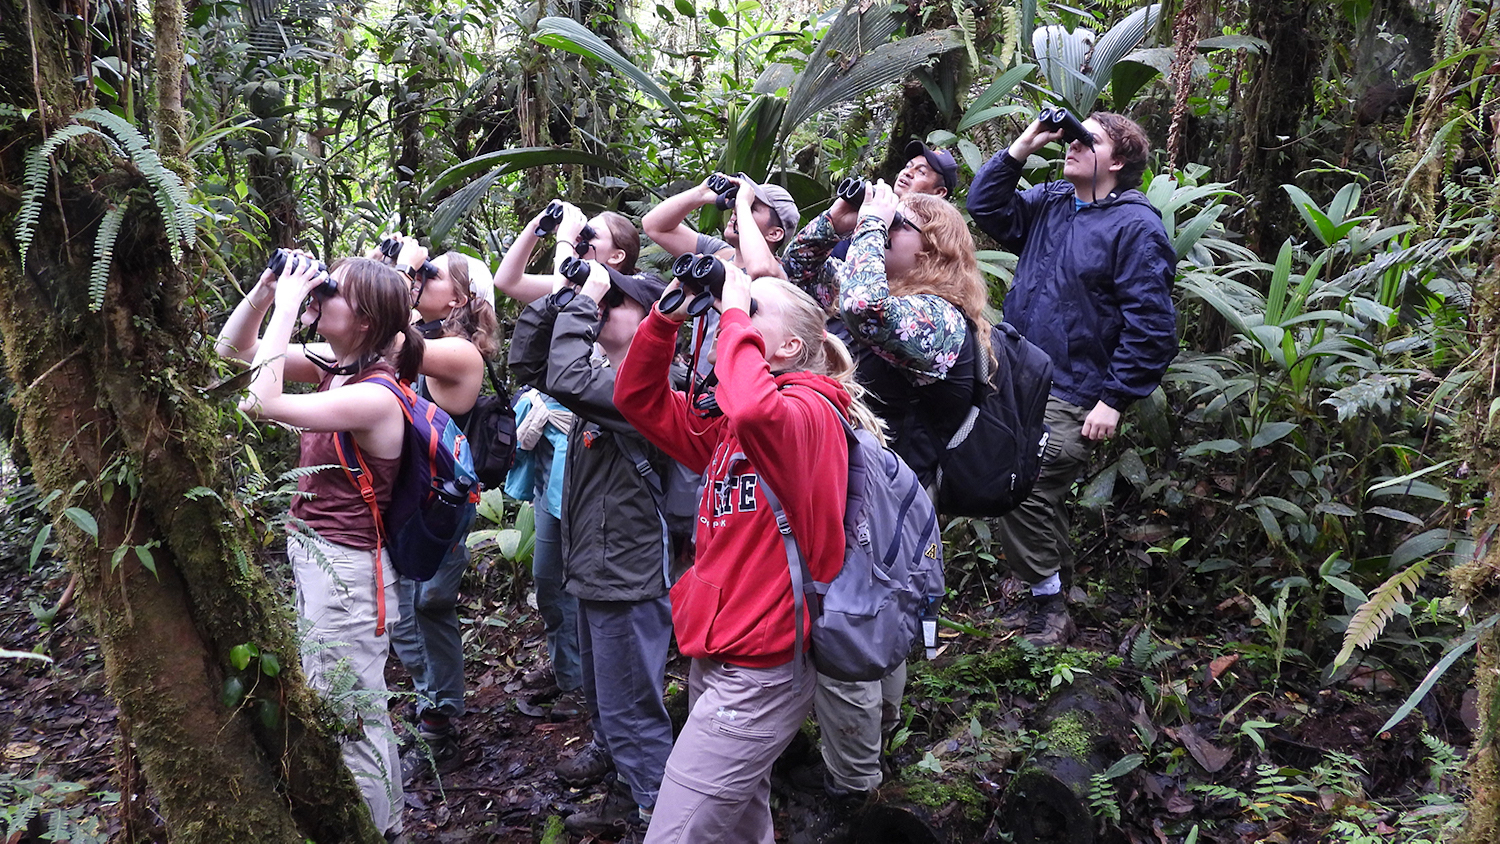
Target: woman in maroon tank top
pixel 345 593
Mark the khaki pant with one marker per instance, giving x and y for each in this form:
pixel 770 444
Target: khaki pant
pixel 341 653
pixel 849 721
pixel 718 782
pixel 1035 535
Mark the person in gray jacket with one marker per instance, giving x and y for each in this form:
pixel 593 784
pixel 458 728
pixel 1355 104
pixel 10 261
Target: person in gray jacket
pixel 616 551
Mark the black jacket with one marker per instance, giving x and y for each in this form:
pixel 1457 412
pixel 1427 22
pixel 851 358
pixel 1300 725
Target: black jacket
pixel 614 544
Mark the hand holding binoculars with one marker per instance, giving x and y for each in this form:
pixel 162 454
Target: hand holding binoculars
pixel 727 191
pixel 285 260
pixel 551 216
pixel 1054 119
pixel 701 277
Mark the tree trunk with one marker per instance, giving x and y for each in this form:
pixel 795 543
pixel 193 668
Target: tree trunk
pixel 112 403
pixel 1278 99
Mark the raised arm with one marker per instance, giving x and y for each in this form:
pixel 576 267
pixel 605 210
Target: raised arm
pixel 644 394
pixel 512 280
pixel 239 339
pixel 666 224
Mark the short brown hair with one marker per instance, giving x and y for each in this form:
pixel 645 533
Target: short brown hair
pixel 1131 146
pixel 626 237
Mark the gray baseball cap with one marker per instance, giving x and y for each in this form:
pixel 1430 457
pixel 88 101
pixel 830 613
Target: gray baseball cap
pixel 780 202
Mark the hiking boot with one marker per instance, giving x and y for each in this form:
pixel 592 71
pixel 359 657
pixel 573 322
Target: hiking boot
pixel 435 748
pixel 568 705
pixel 1050 625
pixel 586 767
pixel 614 816
pixel 552 703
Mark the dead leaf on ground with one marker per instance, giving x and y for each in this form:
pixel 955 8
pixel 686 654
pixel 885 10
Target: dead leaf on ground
pixel 1212 757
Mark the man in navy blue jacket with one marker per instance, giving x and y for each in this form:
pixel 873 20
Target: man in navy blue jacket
pixel 1093 289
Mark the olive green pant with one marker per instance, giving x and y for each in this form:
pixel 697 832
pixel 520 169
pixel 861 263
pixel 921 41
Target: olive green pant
pixel 1035 534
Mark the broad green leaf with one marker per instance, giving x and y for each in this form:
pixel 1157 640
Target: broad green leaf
pixel 1271 432
pixel 233 692
pixel 717 17
pixel 570 35
pixel 1220 446
pixel 1459 647
pixel 1423 545
pixel 83 521
pixel 270 665
pixel 1003 85
pixel 240 656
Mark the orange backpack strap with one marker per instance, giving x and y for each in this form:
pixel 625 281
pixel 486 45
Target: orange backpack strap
pixel 359 475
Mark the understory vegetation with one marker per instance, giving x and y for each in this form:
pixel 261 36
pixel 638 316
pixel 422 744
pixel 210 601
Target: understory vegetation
pixel 1284 567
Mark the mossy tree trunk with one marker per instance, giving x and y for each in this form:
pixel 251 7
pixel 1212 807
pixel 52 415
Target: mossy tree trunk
pixel 1279 98
pixel 111 404
pixel 1477 582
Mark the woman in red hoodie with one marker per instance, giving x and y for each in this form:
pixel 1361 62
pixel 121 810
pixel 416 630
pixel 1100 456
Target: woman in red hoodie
pixel 782 379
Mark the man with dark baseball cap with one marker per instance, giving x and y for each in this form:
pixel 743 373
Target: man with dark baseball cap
pixel 927 170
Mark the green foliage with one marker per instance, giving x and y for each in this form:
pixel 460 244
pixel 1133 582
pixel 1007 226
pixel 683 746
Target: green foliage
pixel 46 802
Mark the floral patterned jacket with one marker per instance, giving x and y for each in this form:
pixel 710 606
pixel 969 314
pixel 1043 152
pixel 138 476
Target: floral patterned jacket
pixel 919 334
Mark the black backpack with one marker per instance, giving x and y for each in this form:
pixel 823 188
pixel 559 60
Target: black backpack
pixel 491 432
pixel 991 464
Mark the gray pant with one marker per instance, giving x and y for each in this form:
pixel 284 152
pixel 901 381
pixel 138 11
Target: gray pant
pixel 849 722
pixel 427 637
pixel 1035 535
pixel 559 609
pixel 337 600
pixel 718 781
pixel 624 645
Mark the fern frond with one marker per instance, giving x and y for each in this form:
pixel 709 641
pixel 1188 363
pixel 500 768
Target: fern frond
pixel 34 182
pixel 968 27
pixel 1371 617
pixel 1141 650
pixel 104 255
pixel 171 194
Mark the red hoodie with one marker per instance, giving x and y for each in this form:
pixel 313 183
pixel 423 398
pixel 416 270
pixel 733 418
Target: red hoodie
pixel 735 603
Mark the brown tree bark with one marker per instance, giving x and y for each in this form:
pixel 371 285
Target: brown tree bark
pixel 111 403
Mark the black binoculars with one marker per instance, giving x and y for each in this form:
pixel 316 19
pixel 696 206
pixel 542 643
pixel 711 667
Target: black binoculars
pixel 852 190
pixel 575 270
pixel 390 249
pixel 726 190
pixel 1060 118
pixel 551 216
pixel 585 240
pixel 278 262
pixel 702 277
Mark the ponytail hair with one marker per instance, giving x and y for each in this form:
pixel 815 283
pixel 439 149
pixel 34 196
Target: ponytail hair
pixel 823 353
pixel 380 297
pixel 473 320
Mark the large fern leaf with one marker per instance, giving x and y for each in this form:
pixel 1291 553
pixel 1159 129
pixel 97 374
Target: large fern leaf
pixel 104 255
pixel 1372 616
pixel 171 194
pixel 34 182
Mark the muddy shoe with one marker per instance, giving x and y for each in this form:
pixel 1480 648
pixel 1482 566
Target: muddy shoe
pixel 568 705
pixel 1019 615
pixel 436 749
pixel 539 703
pixel 613 817
pixel 1050 624
pixel 586 767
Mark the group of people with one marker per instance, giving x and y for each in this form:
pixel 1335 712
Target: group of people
pixel 876 313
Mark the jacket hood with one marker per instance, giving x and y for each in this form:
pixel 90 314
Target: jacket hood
pixel 825 386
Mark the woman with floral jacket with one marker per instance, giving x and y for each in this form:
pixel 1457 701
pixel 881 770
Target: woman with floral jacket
pixel 910 302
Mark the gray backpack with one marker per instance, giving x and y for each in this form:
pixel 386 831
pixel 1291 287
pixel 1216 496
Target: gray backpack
pixel 868 616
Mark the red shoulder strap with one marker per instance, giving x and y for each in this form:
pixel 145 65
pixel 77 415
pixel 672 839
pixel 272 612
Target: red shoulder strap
pixel 359 475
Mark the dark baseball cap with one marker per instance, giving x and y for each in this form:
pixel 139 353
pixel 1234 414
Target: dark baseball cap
pixel 645 288
pixel 941 161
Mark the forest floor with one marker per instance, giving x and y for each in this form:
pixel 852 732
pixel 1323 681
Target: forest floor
pixel 1199 734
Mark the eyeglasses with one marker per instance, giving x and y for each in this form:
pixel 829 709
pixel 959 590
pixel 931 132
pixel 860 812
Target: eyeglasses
pixel 897 222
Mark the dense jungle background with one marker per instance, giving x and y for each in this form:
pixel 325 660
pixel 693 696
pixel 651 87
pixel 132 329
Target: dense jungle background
pixel 1287 591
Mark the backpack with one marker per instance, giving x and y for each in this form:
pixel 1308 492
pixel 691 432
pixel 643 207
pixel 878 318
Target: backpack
pixel 992 462
pixel 491 432
pixel 868 616
pixel 433 500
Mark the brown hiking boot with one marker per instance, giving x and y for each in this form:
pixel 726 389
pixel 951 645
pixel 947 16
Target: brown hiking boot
pixel 586 767
pixel 613 817
pixel 1050 625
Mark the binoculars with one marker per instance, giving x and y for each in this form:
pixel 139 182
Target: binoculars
pixel 586 236
pixel 575 270
pixel 851 189
pixel 551 216
pixel 702 277
pixel 278 263
pixel 390 249
pixel 726 190
pixel 1060 118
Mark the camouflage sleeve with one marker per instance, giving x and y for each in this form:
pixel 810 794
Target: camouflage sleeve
pixel 921 333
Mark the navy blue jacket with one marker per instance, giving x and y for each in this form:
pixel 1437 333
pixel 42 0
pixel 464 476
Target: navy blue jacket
pixel 1093 285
